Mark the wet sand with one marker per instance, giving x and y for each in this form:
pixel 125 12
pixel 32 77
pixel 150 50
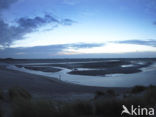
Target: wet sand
pixel 40 86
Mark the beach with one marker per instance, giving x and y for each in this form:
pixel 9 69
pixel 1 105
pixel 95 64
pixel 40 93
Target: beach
pixel 40 86
pixel 24 94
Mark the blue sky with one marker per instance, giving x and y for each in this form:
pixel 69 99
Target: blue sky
pixel 77 28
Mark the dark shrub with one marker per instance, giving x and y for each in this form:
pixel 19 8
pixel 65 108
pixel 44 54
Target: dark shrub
pixel 82 108
pixel 138 89
pixel 33 108
pixel 1 95
pixel 111 92
pixel 108 108
pixel 150 95
pixel 19 93
pixel 105 107
pixel 30 108
pixel 99 94
pixel 0 113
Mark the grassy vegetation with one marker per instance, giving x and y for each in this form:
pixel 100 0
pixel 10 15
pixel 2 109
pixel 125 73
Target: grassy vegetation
pixel 106 107
pixel 41 108
pixel 150 95
pixel 18 92
pixel 138 89
pixel 111 92
pixel 1 98
pixel 33 108
pixel 99 93
pixel 109 105
pixel 1 95
pixel 0 113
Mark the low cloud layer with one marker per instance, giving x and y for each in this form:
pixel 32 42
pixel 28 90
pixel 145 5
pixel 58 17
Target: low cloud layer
pixel 85 45
pixel 43 51
pixel 151 42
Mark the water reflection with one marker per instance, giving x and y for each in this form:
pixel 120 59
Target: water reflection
pixel 147 77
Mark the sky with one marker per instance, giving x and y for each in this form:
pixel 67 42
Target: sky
pixel 77 28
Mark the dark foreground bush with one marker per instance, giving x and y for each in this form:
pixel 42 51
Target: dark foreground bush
pixel 0 113
pixel 111 92
pixel 1 95
pixel 99 93
pixel 138 89
pixel 31 108
pixel 110 107
pixel 150 95
pixel 17 92
pixel 80 108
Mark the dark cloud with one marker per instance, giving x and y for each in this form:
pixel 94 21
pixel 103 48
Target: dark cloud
pixel 42 51
pixel 4 4
pixel 7 33
pixel 32 52
pixel 31 23
pixel 25 25
pixel 150 42
pixel 51 52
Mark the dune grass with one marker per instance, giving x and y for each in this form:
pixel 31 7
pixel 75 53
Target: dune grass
pixel 150 95
pixel 111 92
pixel 110 107
pixel 33 108
pixel 102 108
pixel 138 89
pixel 42 108
pixel 18 92
pixel 1 95
pixel 0 113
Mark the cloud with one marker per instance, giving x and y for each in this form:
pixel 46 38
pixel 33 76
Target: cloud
pixel 150 42
pixel 32 23
pixel 42 51
pixel 4 4
pixel 54 51
pixel 25 25
pixel 32 52
pixel 67 22
pixel 85 45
